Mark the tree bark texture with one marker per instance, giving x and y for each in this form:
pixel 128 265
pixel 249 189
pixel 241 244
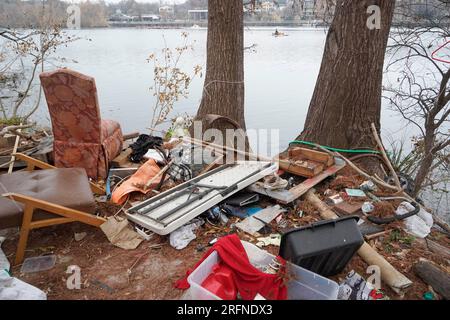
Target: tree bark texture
pixel 347 96
pixel 223 91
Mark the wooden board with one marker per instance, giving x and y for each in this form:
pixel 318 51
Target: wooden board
pixel 435 277
pixel 121 161
pixel 321 157
pixel 302 168
pixel 348 209
pixel 287 196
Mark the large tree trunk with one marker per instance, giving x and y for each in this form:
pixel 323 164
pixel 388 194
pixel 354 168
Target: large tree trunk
pixel 223 91
pixel 347 96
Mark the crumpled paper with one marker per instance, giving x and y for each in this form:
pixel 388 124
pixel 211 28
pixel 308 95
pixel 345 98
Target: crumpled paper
pixel 120 234
pixel 180 238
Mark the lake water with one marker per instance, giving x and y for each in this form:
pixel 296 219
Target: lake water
pixel 279 76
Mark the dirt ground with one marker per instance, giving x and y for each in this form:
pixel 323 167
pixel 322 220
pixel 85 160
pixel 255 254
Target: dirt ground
pixel 149 272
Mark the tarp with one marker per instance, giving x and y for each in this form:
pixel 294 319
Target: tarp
pixel 137 182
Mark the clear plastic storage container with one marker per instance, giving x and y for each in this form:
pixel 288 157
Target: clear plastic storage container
pixel 306 286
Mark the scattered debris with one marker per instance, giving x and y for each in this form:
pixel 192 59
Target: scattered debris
pixel 274 182
pixel 367 208
pixel 355 193
pixel 180 238
pixel 137 182
pixel 354 287
pixel 419 224
pixel 242 199
pixel 272 240
pixel 38 264
pixel 79 236
pixel 435 277
pixel 295 192
pixel 120 234
pixel 256 222
pixel 228 197
pixel 391 276
pixel 170 210
pixel 305 162
pixel 15 289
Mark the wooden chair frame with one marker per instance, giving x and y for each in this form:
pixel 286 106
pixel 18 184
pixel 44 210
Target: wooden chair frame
pixel 67 215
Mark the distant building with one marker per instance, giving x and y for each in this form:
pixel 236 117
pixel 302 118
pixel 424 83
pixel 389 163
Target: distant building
pixel 150 17
pixel 198 15
pixel 309 9
pixel 167 12
pixel 120 17
pixel 267 6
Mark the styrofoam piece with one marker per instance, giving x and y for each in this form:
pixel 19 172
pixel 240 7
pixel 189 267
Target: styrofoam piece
pixel 306 285
pixel 240 175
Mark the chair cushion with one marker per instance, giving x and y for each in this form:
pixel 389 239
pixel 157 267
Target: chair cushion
pixel 66 187
pixel 108 127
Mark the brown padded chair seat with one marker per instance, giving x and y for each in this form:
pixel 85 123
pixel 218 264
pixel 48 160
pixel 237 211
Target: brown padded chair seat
pixel 66 187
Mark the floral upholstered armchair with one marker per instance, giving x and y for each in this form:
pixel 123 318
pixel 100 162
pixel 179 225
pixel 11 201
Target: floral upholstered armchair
pixel 81 138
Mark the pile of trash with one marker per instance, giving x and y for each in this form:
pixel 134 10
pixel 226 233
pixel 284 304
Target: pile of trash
pixel 286 228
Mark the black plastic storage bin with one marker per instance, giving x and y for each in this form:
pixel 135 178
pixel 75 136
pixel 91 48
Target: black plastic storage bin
pixel 324 247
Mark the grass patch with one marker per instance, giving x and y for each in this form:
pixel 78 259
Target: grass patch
pixel 15 121
pixel 397 236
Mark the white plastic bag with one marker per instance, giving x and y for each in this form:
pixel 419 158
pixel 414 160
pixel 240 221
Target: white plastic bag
pixel 418 225
pixel 15 289
pixel 180 238
pixel 4 263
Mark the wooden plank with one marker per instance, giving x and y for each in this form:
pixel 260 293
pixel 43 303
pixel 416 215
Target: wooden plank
pixel 288 196
pixel 348 209
pixel 13 158
pixel 435 247
pixel 435 277
pixel 130 136
pixel 304 187
pixel 302 168
pixel 121 160
pixel 5 161
pixel 314 155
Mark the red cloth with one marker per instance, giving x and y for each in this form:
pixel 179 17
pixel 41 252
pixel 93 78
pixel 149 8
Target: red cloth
pixel 221 282
pixel 249 280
